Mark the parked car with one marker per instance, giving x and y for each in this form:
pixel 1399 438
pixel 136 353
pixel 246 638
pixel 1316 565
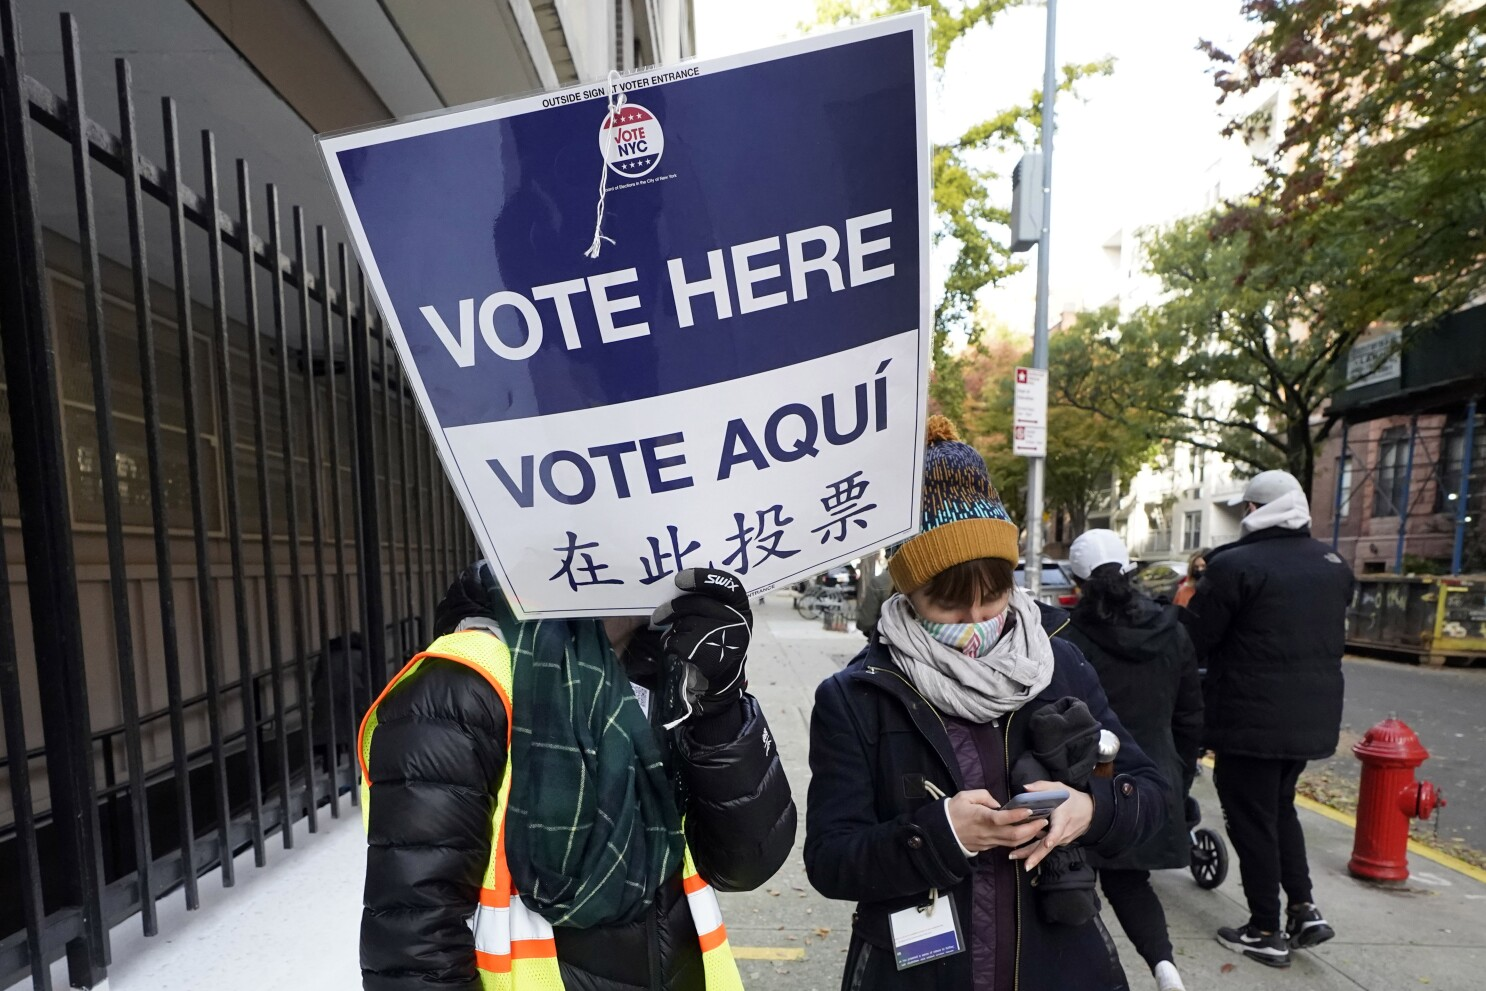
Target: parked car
pixel 1159 579
pixel 1058 588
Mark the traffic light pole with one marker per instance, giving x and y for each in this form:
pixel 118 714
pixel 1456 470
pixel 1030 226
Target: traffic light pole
pixel 1037 469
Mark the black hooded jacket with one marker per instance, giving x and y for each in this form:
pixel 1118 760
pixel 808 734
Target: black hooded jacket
pixel 1149 671
pixel 1269 620
pixel 436 760
pixel 874 834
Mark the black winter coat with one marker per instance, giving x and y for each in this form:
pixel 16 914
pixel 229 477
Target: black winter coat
pixel 874 835
pixel 1269 621
pixel 437 757
pixel 1148 670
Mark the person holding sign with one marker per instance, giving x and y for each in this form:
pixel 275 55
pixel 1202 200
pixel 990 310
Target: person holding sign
pixel 551 804
pixel 953 789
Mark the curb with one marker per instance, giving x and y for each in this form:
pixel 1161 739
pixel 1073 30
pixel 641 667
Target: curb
pixel 1415 847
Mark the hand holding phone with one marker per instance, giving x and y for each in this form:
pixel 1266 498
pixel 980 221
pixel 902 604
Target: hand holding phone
pixel 1067 821
pixel 979 823
pixel 1039 803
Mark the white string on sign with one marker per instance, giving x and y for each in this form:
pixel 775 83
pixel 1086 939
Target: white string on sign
pixel 616 100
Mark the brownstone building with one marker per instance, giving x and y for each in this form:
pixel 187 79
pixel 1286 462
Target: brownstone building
pixel 1399 484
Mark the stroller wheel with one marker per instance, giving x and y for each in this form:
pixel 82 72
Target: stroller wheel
pixel 1209 859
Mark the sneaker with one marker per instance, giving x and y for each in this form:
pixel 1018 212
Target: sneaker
pixel 1167 979
pixel 1270 949
pixel 1305 927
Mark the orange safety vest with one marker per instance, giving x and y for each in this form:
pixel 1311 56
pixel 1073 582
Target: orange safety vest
pixel 514 946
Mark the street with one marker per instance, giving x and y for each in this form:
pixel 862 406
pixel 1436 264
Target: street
pixel 1446 707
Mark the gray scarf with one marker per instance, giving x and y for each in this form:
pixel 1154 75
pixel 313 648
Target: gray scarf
pixel 974 689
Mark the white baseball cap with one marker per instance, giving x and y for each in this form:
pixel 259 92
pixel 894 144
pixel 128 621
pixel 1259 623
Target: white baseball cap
pixel 1098 547
pixel 1266 487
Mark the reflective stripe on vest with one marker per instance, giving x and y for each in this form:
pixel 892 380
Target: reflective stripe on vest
pixel 514 946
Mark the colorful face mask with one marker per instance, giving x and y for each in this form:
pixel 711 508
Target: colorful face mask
pixel 970 639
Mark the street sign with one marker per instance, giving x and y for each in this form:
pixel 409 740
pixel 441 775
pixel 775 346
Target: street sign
pixel 737 379
pixel 1029 413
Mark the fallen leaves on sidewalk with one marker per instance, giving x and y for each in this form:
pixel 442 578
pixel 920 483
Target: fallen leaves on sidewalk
pixel 1325 785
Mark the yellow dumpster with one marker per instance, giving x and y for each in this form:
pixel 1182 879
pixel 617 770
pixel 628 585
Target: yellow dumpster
pixel 1436 618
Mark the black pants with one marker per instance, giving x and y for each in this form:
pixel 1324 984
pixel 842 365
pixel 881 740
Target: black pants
pixel 1258 797
pixel 1135 904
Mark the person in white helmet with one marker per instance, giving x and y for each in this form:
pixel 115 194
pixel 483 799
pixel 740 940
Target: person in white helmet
pixel 1148 669
pixel 1269 621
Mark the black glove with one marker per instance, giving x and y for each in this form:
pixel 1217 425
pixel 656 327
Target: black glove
pixel 706 631
pixel 1065 888
pixel 472 594
pixel 1065 742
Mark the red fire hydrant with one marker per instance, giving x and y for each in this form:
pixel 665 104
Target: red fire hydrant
pixel 1390 797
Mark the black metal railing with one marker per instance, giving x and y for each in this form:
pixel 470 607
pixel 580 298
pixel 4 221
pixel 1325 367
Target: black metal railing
pixel 257 751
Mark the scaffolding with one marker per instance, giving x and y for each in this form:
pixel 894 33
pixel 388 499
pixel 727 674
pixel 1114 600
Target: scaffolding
pixel 1415 472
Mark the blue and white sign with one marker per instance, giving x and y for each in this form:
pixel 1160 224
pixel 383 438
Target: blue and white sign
pixel 737 379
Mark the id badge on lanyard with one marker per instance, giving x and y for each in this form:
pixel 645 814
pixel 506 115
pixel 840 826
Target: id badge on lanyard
pixel 926 933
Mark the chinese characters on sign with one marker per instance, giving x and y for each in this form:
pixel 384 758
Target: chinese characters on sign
pixel 756 538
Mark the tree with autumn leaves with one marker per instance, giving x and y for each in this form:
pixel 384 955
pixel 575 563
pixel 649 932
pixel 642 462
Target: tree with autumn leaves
pixel 971 196
pixel 1372 213
pixel 1086 449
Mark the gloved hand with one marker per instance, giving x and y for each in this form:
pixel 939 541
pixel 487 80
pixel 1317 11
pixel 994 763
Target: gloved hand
pixel 1065 744
pixel 706 629
pixel 470 595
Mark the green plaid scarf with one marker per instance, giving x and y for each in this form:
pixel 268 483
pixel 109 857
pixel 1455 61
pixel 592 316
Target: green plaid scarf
pixel 592 829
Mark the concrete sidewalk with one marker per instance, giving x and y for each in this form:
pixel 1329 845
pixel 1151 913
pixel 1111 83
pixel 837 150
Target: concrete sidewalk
pixel 294 924
pixel 1429 932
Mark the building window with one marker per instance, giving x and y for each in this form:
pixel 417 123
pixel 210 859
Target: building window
pixel 1344 508
pixel 131 459
pixel 1158 535
pixel 1452 462
pixel 1390 490
pixel 1192 530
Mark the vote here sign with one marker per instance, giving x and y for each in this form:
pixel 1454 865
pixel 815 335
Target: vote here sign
pixel 736 380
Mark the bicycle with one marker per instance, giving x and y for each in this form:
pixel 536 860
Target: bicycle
pixel 817 598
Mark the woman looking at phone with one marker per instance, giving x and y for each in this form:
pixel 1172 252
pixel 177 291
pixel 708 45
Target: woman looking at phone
pixel 914 748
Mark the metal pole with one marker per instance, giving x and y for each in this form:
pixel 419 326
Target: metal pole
pixel 1341 476
pixel 1463 496
pixel 1403 504
pixel 29 349
pixel 1036 475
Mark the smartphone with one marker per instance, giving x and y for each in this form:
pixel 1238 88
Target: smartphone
pixel 1041 803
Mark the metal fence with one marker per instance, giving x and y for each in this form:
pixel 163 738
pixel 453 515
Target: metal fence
pixel 210 483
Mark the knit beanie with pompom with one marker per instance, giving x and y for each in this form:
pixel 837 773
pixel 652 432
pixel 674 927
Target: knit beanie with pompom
pixel 963 516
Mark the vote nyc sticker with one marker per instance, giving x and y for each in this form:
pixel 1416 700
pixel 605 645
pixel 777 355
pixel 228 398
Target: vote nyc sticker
pixel 633 140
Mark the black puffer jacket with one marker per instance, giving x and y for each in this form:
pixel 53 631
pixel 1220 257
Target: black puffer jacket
pixel 436 760
pixel 875 836
pixel 1149 671
pixel 1269 620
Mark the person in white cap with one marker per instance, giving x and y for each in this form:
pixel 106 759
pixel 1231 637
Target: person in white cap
pixel 1148 669
pixel 1268 620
